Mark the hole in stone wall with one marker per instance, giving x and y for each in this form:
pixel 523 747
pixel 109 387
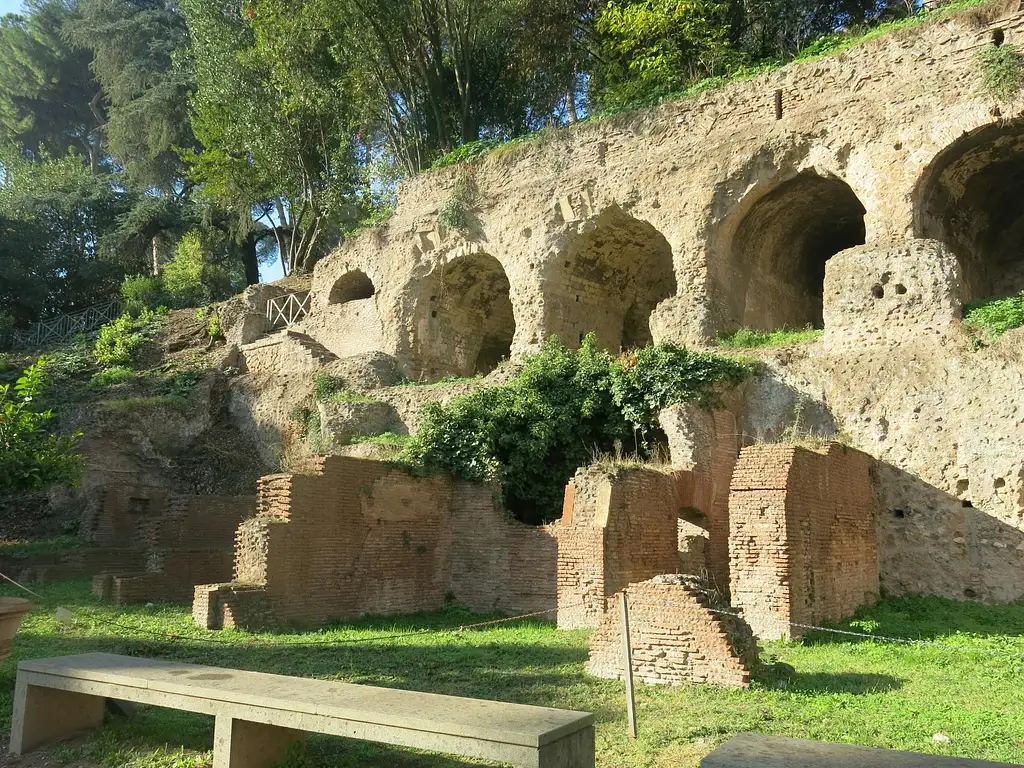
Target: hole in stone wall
pixel 966 504
pixel 970 199
pixel 901 288
pixel 962 485
pixel 878 291
pixel 999 483
pixel 899 514
pixel 352 286
pixel 998 36
pixel 475 322
pixel 970 594
pixel 620 271
pixel 774 272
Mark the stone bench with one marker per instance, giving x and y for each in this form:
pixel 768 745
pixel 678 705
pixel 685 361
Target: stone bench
pixel 751 750
pixel 260 716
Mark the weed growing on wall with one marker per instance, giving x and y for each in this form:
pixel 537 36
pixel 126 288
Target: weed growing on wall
pixel 1002 68
pixel 534 432
pixel 747 338
pixel 454 214
pixel 996 316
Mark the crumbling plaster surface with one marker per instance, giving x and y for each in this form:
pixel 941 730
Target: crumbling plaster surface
pixel 873 118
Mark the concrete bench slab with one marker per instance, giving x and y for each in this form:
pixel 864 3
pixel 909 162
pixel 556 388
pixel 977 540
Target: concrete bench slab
pixel 752 750
pixel 259 716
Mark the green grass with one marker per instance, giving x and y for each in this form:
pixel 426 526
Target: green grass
pixel 747 338
pixel 446 381
pixel 842 689
pixel 22 550
pixel 108 377
pixel 995 316
pixel 132 404
pixel 384 438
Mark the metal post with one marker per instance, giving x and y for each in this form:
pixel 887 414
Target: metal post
pixel 627 661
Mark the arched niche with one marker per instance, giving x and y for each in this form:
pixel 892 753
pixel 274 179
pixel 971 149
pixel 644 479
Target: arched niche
pixel 609 279
pixel 464 319
pixel 352 286
pixel 769 257
pixel 971 197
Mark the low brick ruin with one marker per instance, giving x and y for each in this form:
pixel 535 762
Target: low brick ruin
pixel 361 537
pixel 675 637
pixel 802 538
pixel 175 541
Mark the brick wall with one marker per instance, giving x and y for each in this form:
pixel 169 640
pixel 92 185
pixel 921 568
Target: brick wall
pixel 362 537
pixel 621 527
pixel 802 543
pixel 176 542
pixel 674 638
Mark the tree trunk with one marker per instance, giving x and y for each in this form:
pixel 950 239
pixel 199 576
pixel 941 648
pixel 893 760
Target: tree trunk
pixel 570 106
pixel 249 260
pixel 155 256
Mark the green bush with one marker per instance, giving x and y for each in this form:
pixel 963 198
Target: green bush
pixel 454 214
pixel 566 405
pixel 181 384
pixel 996 316
pixel 1002 68
pixel 108 377
pixel 120 340
pixel 143 291
pixel 32 457
pixel 747 338
pixel 183 276
pixel 6 330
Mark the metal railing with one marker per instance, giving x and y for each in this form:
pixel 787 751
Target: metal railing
pixel 66 326
pixel 288 309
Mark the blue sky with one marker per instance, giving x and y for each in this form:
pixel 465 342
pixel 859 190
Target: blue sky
pixel 9 6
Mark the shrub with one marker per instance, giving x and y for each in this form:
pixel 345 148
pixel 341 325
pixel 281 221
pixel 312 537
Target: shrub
pixel 120 340
pixel 33 458
pixel 454 214
pixel 1002 68
pixel 996 316
pixel 183 276
pixel 182 383
pixel 747 338
pixel 6 330
pixel 117 374
pixel 142 291
pixel 566 405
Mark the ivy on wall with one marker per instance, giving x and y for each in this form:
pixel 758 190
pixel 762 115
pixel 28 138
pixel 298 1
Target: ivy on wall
pixel 564 407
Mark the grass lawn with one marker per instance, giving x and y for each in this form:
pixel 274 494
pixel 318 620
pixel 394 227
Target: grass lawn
pixel 842 689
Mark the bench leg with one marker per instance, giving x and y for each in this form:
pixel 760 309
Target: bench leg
pixel 573 751
pixel 241 744
pixel 42 715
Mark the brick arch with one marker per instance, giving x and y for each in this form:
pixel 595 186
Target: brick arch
pixel 607 278
pixel 464 321
pixel 971 197
pixel 769 252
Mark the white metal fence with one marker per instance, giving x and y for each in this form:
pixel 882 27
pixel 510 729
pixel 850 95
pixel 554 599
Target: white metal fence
pixel 288 309
pixel 66 326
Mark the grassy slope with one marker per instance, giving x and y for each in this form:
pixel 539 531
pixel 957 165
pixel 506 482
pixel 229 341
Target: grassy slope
pixel 842 690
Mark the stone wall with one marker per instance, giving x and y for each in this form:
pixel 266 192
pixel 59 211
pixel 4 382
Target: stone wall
pixel 178 541
pixel 674 638
pixel 362 537
pixel 803 541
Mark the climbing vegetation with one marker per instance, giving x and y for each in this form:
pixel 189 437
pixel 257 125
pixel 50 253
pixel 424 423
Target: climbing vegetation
pixel 454 214
pixel 119 342
pixel 564 406
pixel 1002 68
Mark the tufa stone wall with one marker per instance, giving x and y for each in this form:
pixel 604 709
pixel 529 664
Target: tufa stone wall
pixel 803 541
pixel 674 638
pixel 362 537
pixel 178 541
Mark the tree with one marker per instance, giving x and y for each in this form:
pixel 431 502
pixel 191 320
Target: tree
pixel 134 46
pixel 31 458
pixel 655 47
pixel 59 212
pixel 48 97
pixel 272 116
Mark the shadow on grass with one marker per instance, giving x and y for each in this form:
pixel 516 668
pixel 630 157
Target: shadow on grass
pixel 781 675
pixel 515 671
